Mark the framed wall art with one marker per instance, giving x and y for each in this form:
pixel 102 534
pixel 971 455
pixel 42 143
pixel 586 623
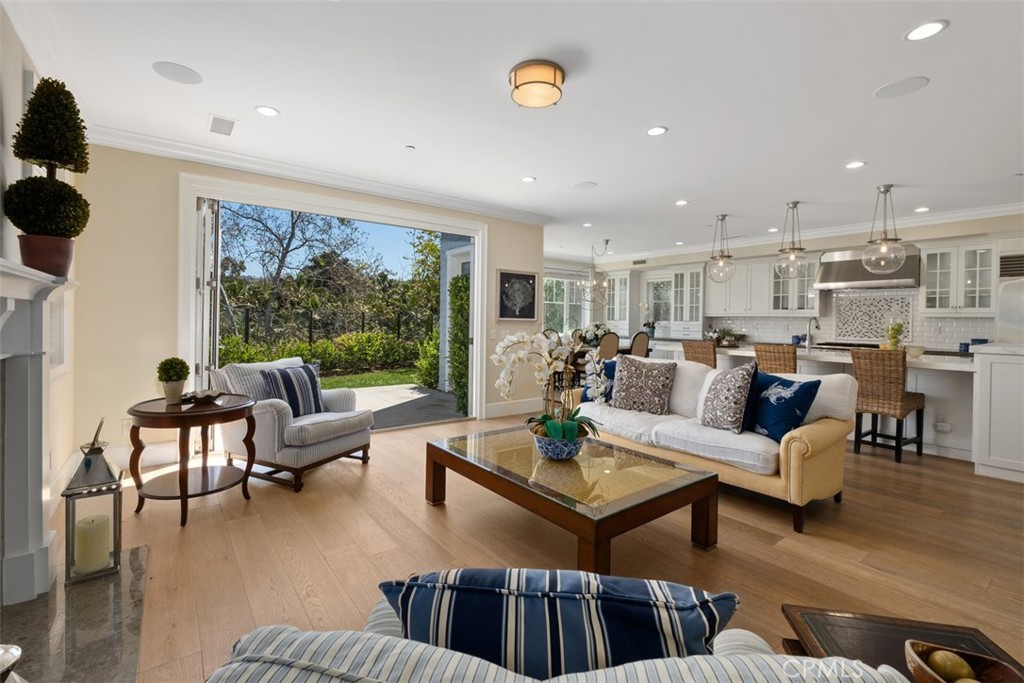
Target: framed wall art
pixel 517 295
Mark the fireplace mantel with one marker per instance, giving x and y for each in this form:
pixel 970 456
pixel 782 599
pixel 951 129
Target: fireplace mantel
pixel 28 567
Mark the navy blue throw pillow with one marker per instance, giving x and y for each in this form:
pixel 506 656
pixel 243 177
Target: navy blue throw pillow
pixel 779 405
pixel 544 623
pixel 608 370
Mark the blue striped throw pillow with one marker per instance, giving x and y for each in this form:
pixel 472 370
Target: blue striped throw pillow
pixel 299 386
pixel 544 623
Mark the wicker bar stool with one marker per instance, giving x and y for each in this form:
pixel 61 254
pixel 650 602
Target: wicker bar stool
pixel 882 390
pixel 775 357
pixel 701 352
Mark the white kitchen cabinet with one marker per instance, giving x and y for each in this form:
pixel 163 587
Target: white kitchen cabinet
pixel 959 280
pixel 998 396
pixel 795 296
pixel 747 293
pixel 687 290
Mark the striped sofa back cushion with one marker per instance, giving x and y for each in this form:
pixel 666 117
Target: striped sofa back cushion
pixel 544 623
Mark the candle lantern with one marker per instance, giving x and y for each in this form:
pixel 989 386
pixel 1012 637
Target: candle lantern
pixel 92 545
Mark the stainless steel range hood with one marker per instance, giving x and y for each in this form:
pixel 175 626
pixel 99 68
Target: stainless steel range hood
pixel 844 270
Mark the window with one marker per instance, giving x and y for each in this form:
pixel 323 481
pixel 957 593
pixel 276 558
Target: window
pixel 659 296
pixel 562 308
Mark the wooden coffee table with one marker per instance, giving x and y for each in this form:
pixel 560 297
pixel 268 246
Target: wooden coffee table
pixel 604 491
pixel 877 640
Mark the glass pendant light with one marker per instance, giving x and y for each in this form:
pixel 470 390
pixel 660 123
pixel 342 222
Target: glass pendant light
pixel 721 267
pixel 791 262
pixel 885 254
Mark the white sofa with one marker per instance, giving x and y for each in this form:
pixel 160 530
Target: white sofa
pixel 807 465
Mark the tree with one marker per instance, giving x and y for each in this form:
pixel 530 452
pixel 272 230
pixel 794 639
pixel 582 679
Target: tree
pixel 280 244
pixel 424 293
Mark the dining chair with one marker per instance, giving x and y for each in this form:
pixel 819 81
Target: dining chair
pixel 640 344
pixel 608 347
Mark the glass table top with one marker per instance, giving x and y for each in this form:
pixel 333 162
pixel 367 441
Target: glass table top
pixel 602 480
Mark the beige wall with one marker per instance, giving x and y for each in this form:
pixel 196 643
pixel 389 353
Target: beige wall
pixel 127 264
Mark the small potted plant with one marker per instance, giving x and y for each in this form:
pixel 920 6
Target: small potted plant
pixel 647 314
pixel 172 372
pixel 50 212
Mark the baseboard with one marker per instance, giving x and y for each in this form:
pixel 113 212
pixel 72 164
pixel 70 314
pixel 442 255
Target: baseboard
pixel 928 448
pixel 998 473
pixel 522 407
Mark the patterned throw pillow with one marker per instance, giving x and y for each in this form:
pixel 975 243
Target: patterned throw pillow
pixel 726 398
pixel 608 370
pixel 545 623
pixel 643 386
pixel 779 405
pixel 300 387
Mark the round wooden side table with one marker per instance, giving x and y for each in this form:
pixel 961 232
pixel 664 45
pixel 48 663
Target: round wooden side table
pixel 199 481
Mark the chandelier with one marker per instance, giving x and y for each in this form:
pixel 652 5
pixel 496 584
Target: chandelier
pixel 885 254
pixel 591 283
pixel 721 266
pixel 791 262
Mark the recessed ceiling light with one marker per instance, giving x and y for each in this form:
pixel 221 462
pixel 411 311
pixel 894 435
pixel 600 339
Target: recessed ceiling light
pixel 528 179
pixel 410 148
pixel 682 202
pixel 855 164
pixel 179 73
pixel 773 229
pixel 588 225
pixel 903 86
pixel 611 253
pixel 657 130
pixel 679 244
pixel 927 30
pixel 264 110
pixel 921 209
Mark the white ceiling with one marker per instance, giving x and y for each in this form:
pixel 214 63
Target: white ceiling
pixel 765 102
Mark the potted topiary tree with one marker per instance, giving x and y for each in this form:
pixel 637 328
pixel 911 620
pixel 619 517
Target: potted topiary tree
pixel 172 372
pixel 50 212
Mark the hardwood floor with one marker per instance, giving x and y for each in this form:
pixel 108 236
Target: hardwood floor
pixel 923 540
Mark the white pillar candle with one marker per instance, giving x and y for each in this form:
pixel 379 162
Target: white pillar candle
pixel 92 544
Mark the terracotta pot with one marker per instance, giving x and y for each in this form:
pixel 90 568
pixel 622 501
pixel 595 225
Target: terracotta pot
pixel 47 254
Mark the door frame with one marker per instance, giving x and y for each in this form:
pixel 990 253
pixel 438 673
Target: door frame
pixel 192 186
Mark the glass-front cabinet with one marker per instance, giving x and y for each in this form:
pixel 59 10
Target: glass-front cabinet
pixel 959 280
pixel 796 296
pixel 686 298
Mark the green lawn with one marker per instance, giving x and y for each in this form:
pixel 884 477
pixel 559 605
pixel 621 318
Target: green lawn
pixel 382 378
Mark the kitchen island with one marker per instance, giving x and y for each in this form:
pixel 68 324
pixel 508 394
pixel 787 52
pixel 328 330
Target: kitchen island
pixel 946 381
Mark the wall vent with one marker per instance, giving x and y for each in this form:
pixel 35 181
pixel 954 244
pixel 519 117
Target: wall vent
pixel 639 262
pixel 1011 265
pixel 221 125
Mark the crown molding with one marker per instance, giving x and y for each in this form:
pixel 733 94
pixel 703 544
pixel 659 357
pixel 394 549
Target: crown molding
pixel 173 149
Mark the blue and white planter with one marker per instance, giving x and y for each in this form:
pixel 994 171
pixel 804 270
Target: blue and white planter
pixel 557 449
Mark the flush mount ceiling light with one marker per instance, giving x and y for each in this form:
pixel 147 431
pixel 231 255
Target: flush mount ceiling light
pixel 885 254
pixel 657 130
pixel 264 110
pixel 927 30
pixel 179 73
pixel 855 164
pixel 791 262
pixel 536 83
pixel 721 266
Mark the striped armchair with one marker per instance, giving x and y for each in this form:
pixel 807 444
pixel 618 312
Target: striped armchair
pixel 288 446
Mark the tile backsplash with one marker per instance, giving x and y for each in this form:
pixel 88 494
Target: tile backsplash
pixel 851 315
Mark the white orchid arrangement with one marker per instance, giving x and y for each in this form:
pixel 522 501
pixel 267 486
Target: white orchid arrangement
pixel 647 315
pixel 595 381
pixel 592 333
pixel 549 354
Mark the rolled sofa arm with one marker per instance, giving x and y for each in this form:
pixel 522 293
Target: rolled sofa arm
pixel 272 416
pixel 811 459
pixel 338 400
